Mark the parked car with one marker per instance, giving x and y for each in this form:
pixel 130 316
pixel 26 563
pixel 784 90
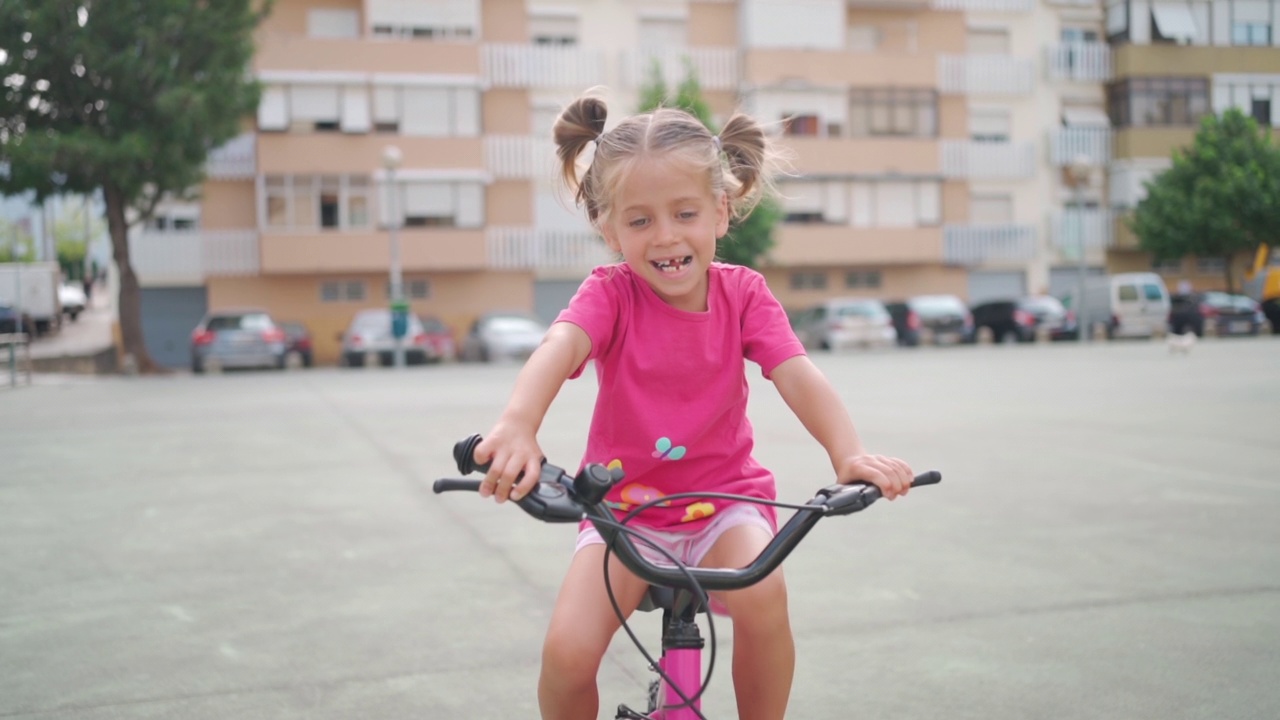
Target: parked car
pixel 298 344
pixel 943 318
pixel 1227 314
pixel 440 337
pixel 237 339
pixel 502 335
pixel 73 299
pixel 10 323
pixel 368 340
pixel 1019 320
pixel 1139 304
pixel 844 323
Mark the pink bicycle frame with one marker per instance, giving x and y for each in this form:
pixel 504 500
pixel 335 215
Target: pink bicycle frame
pixel 684 667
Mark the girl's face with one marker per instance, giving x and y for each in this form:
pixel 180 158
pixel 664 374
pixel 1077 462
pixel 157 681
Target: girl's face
pixel 665 221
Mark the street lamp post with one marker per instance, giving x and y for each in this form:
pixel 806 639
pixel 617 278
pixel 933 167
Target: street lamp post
pixel 1079 171
pixel 391 159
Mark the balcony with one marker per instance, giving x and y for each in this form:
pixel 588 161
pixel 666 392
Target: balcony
pixel 808 245
pixel 1079 62
pixel 519 157
pixel 985 75
pixel 311 153
pixel 1192 60
pixel 289 51
pixel 183 258
pixel 976 160
pixel 1069 226
pixel 826 68
pixel 236 160
pixel 716 68
pixel 869 155
pixel 421 250
pixel 1069 143
pixel 527 248
pixel 989 244
pixel 543 66
pixel 984 6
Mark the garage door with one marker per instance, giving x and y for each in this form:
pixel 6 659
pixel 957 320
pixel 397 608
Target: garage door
pixel 168 317
pixel 987 285
pixel 552 296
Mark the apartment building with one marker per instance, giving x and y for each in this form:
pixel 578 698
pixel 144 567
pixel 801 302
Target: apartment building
pixel 1174 62
pixel 956 146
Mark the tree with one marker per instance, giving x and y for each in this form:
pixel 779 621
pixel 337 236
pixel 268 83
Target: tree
pixel 73 230
pixel 750 237
pixel 1221 198
pixel 16 242
pixel 126 97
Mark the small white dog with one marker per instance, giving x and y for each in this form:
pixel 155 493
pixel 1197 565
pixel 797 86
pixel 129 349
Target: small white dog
pixel 1181 343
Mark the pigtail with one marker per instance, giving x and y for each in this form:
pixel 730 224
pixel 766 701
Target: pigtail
pixel 581 123
pixel 752 162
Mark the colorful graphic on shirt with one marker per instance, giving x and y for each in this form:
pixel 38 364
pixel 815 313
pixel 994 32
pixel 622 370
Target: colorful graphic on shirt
pixel 665 450
pixel 698 511
pixel 640 494
pixel 615 464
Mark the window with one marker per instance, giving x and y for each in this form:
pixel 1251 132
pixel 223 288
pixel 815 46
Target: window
pixel 988 41
pixel 897 204
pixel 1075 35
pixel 801 125
pixel 990 209
pixel 342 291
pixel 304 202
pixel 438 204
pixel 1210 266
pixel 440 111
pixel 1250 34
pixel 414 289
pixel 989 125
pixel 1260 109
pixel 662 32
pixel 893 111
pixel 862 279
pixel 1167 267
pixel 553 29
pixel 1250 22
pixel 808 281
pixel 1172 22
pixel 1167 101
pixel 323 23
pixel 1152 292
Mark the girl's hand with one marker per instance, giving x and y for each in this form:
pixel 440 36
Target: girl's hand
pixel 512 452
pixel 891 475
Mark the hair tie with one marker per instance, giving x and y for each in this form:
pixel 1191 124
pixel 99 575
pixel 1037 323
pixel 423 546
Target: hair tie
pixel 598 138
pixel 715 140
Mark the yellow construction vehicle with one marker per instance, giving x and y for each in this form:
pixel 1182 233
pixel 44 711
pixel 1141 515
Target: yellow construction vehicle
pixel 1262 283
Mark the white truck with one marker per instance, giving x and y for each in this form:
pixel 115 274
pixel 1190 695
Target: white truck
pixel 32 289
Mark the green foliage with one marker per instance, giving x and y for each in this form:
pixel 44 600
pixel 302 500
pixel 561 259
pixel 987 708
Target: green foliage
pixel 73 230
pixel 16 243
pixel 1221 197
pixel 750 238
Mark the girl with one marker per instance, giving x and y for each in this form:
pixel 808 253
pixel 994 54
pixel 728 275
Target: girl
pixel 669 330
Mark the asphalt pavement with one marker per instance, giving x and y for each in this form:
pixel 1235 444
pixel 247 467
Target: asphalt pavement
pixel 1104 545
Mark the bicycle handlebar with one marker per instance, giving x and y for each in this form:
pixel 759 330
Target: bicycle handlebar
pixel 558 497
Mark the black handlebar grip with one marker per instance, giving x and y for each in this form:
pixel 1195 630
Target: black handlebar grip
pixel 933 477
pixel 448 484
pixel 592 484
pixel 464 456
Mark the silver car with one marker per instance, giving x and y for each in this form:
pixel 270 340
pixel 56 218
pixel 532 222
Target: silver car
pixel 237 339
pixel 502 335
pixel 368 341
pixel 845 323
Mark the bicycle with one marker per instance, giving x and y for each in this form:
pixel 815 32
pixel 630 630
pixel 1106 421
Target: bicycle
pixel 680 592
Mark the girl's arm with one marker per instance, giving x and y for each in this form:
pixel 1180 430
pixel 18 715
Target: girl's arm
pixel 815 402
pixel 512 445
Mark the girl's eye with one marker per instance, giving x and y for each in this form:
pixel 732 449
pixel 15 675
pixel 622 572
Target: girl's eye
pixel 638 222
pixel 689 214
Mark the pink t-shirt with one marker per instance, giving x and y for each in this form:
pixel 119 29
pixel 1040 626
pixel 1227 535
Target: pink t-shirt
pixel 672 406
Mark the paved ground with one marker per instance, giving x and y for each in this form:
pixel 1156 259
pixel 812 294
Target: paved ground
pixel 1104 545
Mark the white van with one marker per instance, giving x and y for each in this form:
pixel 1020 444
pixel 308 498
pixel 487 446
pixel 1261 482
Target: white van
pixel 1139 304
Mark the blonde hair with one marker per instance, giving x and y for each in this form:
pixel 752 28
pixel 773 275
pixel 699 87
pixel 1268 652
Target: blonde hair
pixel 739 162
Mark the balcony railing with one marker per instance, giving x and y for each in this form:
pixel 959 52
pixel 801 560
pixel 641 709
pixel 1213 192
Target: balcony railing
pixel 190 257
pixel 716 68
pixel 978 160
pixel 527 248
pixel 236 160
pixel 542 66
pixel 1069 143
pixel 519 157
pixel 1009 6
pixel 1095 226
pixel 985 75
pixel 982 244
pixel 1081 62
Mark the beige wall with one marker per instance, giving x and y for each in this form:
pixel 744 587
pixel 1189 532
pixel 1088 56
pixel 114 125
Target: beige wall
pixel 456 298
pixel 842 156
pixel 808 245
pixel 896 283
pixel 1190 61
pixel 713 24
pixel 420 250
pixel 504 21
pixel 509 202
pixel 309 153
pixel 955 201
pixel 228 205
pixel 953 117
pixel 287 51
pixel 848 69
pixel 506 112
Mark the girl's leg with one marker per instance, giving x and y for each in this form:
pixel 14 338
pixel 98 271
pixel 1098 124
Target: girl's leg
pixel 764 654
pixel 582 625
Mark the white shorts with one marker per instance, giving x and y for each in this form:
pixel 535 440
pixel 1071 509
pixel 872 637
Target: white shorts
pixel 688 548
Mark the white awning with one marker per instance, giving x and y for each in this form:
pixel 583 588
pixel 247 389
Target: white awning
pixel 1085 117
pixel 1174 20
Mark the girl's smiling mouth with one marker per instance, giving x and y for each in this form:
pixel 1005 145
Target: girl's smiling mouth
pixel 672 265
